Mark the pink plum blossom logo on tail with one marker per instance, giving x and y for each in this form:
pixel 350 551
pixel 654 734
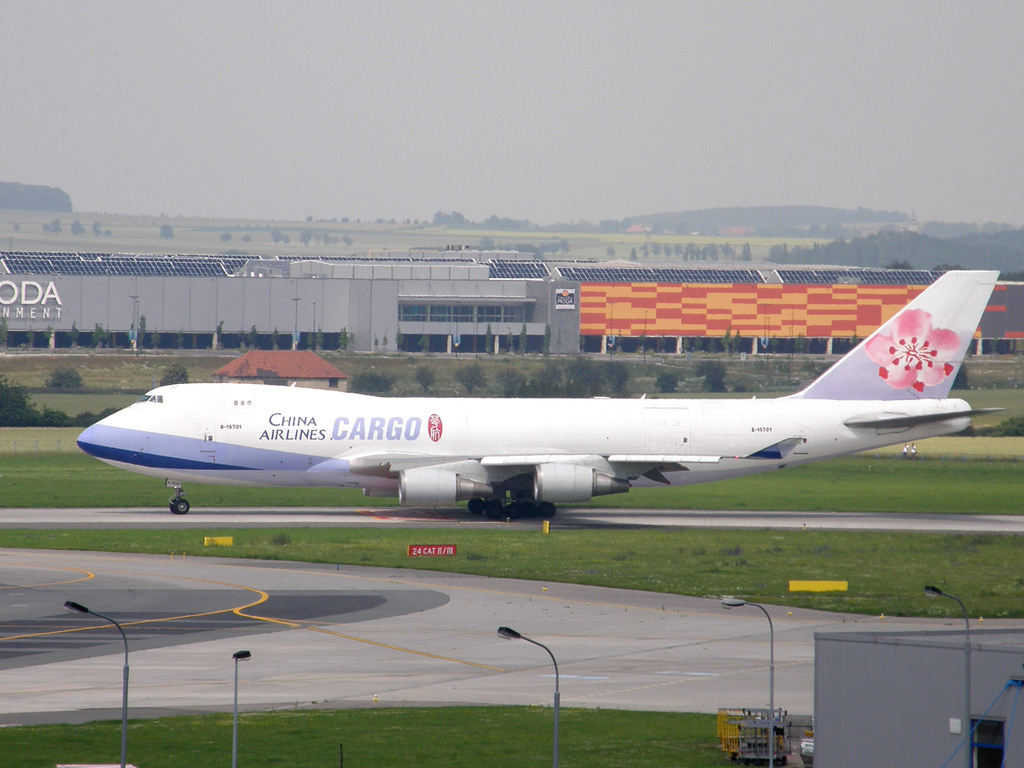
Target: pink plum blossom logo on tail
pixel 913 354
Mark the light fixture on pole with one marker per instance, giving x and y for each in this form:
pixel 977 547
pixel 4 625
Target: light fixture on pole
pixel 510 634
pixel 735 602
pixel 73 607
pixel 237 656
pixel 934 592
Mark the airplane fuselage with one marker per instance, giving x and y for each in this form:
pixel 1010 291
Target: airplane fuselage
pixel 262 435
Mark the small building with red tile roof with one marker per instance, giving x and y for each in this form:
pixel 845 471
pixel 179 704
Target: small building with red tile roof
pixel 283 368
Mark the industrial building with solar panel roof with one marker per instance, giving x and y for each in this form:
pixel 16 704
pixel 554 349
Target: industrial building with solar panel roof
pixel 461 300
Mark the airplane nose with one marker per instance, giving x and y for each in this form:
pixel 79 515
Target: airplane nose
pixel 87 440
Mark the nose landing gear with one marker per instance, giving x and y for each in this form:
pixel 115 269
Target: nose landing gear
pixel 178 503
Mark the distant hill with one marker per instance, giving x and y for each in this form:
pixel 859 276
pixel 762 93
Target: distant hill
pixel 764 221
pixel 998 250
pixel 33 197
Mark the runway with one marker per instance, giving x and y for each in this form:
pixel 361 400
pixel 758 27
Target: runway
pixel 567 518
pixel 328 636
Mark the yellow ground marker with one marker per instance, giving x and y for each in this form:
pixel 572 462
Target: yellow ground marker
pixel 219 541
pixel 817 586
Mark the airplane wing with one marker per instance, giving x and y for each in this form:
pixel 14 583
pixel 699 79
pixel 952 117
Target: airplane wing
pixel 624 465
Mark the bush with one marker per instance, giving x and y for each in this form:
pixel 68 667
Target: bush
pixel 471 376
pixel 1012 427
pixel 424 377
pixel 15 408
pixel 618 378
pixel 175 373
pixel 667 382
pixel 713 372
pixel 65 378
pixel 371 383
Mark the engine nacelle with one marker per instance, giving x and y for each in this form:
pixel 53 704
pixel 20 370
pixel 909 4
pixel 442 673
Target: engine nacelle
pixel 437 488
pixel 561 483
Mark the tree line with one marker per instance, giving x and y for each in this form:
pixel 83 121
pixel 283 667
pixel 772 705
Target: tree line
pixel 573 377
pixel 33 197
pixel 913 250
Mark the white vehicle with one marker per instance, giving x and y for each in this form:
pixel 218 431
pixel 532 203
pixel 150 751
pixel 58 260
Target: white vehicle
pixel 512 458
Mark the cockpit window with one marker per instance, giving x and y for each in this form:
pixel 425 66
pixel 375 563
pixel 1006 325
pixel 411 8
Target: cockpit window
pixel 150 399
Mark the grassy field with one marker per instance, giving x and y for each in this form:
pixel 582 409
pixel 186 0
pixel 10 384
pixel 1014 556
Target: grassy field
pixel 74 403
pixel 886 572
pixel 841 485
pixel 448 737
pixel 141 234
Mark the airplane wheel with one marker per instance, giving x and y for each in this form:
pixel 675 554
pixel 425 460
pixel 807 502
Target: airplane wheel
pixel 476 506
pixel 494 510
pixel 547 509
pixel 518 509
pixel 180 507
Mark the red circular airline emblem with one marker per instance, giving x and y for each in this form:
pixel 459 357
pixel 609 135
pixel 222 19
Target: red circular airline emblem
pixel 434 427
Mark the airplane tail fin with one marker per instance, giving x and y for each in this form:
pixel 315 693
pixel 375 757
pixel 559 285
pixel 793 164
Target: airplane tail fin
pixel 917 353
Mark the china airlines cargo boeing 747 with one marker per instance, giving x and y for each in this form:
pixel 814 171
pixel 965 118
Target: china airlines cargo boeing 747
pixel 511 458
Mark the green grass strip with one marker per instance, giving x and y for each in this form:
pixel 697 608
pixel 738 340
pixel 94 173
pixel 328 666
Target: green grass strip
pixel 886 571
pixel 443 737
pixel 841 485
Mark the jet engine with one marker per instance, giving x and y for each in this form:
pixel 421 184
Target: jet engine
pixel 561 483
pixel 437 488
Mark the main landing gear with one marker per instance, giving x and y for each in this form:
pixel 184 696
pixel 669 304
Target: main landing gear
pixel 496 509
pixel 178 503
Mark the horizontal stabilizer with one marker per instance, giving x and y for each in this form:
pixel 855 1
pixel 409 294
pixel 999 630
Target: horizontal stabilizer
pixel 896 421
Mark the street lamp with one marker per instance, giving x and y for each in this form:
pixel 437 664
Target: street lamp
pixel 73 607
pixel 735 602
pixel 237 656
pixel 510 634
pixel 934 592
pixel 135 318
pixel 295 333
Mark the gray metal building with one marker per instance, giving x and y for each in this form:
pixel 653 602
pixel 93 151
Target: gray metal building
pixel 897 698
pixel 453 299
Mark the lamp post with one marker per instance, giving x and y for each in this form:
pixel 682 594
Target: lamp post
pixel 510 634
pixel 934 592
pixel 135 319
pixel 735 602
pixel 73 607
pixel 295 333
pixel 237 656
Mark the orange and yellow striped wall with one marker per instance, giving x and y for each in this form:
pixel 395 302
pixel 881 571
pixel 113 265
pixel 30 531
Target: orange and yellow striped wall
pixel 765 309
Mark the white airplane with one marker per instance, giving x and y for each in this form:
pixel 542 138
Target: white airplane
pixel 511 458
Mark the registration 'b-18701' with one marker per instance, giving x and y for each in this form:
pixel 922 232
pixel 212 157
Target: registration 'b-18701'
pixel 511 458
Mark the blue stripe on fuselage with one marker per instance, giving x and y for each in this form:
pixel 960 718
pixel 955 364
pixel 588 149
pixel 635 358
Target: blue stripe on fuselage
pixel 159 451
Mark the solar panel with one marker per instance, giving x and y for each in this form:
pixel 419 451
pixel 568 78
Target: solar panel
pixel 122 264
pixel 659 275
pixel 504 269
pixel 865 276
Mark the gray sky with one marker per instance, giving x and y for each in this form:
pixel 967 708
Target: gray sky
pixel 551 111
